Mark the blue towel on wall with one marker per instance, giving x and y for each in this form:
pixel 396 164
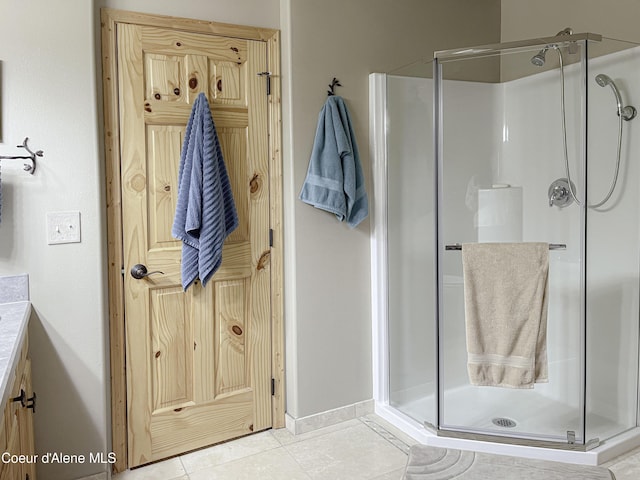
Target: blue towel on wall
pixel 205 213
pixel 334 181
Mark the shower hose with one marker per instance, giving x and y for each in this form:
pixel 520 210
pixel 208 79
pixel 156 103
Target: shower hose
pixel 564 143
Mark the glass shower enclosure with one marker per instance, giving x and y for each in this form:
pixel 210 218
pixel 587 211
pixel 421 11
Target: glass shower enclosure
pixel 530 137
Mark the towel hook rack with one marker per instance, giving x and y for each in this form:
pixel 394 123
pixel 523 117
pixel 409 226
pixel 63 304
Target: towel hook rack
pixel 32 156
pixel 334 83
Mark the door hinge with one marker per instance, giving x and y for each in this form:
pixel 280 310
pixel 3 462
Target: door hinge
pixel 273 387
pixel 122 271
pixel 268 75
pixel 271 237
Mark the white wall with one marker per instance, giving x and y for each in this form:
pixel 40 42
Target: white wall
pixel 49 94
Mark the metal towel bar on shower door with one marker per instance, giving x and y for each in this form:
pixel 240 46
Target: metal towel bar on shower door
pixel 552 246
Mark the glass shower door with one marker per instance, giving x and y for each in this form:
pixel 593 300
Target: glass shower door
pixel 411 247
pixel 613 236
pixel 500 148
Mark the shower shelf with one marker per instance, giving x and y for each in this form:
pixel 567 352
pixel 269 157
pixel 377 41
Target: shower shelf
pixel 552 246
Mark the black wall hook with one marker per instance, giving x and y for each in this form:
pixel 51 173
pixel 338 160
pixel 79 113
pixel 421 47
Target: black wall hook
pixel 334 83
pixel 32 156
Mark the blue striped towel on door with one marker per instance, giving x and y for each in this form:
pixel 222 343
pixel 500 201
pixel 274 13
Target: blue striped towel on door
pixel 205 212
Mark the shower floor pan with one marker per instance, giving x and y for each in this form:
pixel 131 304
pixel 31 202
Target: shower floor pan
pixel 412 423
pixel 532 414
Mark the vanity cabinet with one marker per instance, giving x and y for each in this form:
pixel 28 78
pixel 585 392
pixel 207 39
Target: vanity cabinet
pixel 16 425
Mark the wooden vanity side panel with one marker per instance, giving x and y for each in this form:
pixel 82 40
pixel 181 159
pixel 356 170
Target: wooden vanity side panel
pixel 16 422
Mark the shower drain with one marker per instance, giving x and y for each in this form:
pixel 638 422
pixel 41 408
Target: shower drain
pixel 504 422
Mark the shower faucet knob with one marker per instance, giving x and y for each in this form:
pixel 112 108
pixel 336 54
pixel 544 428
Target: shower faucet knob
pixel 559 193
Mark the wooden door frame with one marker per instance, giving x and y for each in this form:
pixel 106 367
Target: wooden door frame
pixel 109 19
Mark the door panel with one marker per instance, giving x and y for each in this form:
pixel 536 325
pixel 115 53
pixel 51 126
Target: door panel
pixel 198 362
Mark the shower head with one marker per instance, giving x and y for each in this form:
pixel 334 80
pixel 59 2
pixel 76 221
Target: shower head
pixel 539 58
pixel 628 112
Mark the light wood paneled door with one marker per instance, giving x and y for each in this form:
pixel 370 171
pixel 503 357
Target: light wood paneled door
pixel 198 363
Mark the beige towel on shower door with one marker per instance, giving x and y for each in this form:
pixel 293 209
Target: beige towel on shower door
pixel 505 294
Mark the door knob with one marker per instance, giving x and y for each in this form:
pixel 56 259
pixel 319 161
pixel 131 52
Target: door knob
pixel 139 271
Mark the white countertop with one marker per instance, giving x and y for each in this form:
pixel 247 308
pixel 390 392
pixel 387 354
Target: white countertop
pixel 14 318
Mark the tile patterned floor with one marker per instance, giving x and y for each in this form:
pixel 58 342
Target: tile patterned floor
pixel 367 448
pixel 627 466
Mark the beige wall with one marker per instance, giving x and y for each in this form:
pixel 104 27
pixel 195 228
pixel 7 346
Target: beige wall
pixel 522 19
pixel 257 13
pixel 328 289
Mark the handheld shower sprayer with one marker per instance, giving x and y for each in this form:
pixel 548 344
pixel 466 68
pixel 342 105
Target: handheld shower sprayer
pixel 559 189
pixel 627 113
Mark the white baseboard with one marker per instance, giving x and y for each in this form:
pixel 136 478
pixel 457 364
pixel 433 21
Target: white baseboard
pixel 328 418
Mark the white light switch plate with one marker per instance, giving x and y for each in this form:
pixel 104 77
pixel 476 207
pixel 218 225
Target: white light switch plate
pixel 63 227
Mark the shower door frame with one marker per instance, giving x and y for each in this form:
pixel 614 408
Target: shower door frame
pixel 378 125
pixel 425 432
pixel 379 244
pixel 429 434
pixel 573 442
